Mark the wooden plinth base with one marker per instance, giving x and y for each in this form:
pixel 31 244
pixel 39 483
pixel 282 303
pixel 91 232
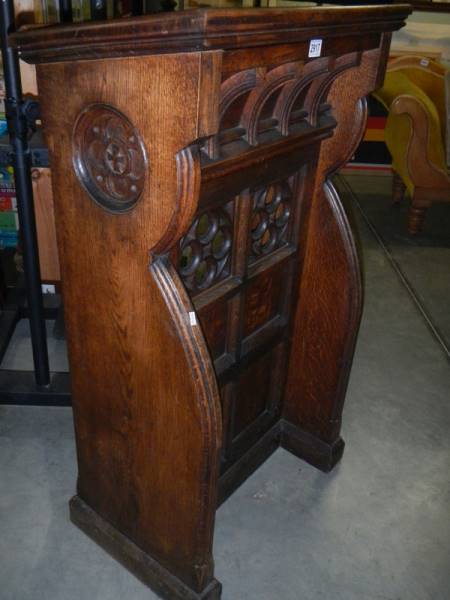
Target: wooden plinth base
pixel 301 443
pixel 145 568
pixel 306 446
pixel 310 448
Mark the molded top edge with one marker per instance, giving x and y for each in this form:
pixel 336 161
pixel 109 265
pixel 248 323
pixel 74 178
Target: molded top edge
pixel 202 29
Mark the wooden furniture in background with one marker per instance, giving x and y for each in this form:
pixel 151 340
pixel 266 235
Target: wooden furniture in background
pixel 45 223
pixel 414 94
pixel 211 284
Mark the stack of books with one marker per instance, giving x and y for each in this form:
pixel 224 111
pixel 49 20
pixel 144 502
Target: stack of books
pixel 9 224
pixel 3 125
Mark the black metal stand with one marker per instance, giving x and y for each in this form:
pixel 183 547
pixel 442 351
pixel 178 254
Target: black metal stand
pixel 65 11
pixel 21 159
pixel 98 10
pixel 25 387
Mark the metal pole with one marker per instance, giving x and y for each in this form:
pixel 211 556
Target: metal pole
pixel 65 11
pixel 137 7
pixel 98 10
pixel 21 160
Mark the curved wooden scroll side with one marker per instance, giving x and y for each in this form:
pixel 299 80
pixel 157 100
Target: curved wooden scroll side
pixel 330 295
pixel 201 402
pixel 205 411
pixel 189 176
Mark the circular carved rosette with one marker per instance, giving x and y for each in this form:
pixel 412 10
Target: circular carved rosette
pixel 270 219
pixel 206 250
pixel 109 157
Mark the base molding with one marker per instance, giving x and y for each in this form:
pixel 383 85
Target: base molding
pixel 290 437
pixel 248 463
pixel 310 448
pixel 138 562
pixel 299 442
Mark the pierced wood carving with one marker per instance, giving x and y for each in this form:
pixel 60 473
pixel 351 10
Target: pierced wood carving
pixel 258 105
pixel 109 157
pixel 206 249
pixel 272 208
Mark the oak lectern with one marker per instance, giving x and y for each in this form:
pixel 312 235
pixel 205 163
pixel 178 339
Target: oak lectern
pixel 211 284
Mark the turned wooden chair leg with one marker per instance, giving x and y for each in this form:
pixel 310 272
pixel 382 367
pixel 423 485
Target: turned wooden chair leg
pixel 398 189
pixel 416 218
pixel 419 204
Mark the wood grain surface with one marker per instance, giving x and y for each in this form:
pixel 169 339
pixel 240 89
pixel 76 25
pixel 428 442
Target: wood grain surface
pixel 215 316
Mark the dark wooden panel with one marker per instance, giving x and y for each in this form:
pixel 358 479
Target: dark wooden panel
pixel 214 320
pixel 263 300
pixel 250 400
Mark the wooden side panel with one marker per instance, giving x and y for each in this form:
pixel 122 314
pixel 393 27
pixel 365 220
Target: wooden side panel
pixel 329 309
pixel 145 401
pixel 45 224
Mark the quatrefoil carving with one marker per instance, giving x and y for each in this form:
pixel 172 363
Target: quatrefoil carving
pixel 269 222
pixel 206 250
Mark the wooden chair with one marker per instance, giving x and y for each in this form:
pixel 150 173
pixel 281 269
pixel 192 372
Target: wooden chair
pixel 414 94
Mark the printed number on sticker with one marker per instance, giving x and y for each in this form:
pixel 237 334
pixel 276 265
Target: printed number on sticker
pixel 315 48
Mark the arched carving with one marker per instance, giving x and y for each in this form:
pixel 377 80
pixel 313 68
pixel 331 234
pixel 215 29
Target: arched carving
pixel 232 89
pixel 274 80
pixel 290 93
pixel 235 86
pixel 279 89
pixel 341 64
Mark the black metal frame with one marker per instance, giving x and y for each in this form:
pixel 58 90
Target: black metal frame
pixel 21 158
pixel 18 386
pixel 25 387
pixel 40 387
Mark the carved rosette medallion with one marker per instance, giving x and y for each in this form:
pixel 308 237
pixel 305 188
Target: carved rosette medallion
pixel 109 157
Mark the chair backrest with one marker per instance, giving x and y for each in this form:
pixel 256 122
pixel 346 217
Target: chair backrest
pixel 434 79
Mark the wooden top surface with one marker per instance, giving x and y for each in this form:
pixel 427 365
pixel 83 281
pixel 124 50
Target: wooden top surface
pixel 204 29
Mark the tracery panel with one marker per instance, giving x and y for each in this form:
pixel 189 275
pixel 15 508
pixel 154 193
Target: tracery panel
pixel 243 301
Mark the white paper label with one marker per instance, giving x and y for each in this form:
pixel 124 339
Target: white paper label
pixel 192 318
pixel 424 62
pixel 48 288
pixel 315 48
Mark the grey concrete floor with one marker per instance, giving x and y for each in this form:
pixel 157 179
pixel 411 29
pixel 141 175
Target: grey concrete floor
pixel 425 259
pixel 19 354
pixel 376 528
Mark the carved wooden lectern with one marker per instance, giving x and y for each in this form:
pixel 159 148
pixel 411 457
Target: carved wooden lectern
pixel 211 285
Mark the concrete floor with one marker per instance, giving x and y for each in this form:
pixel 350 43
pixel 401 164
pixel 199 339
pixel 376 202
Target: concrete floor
pixel 425 259
pixel 376 528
